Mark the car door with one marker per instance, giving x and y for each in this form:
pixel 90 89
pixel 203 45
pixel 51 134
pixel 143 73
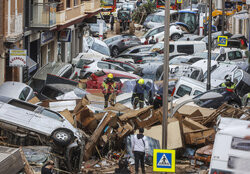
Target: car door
pixel 46 121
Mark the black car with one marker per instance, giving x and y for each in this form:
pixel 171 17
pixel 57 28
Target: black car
pixel 228 97
pixel 119 43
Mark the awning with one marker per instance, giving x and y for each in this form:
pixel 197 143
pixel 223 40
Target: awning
pixel 31 64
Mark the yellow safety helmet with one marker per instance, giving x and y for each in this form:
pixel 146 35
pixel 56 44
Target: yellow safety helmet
pixel 110 75
pixel 141 81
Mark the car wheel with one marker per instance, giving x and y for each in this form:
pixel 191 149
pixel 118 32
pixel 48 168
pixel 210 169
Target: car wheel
pixel 175 37
pixel 115 52
pixel 234 104
pixel 62 137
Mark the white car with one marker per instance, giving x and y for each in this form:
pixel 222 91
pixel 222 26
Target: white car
pixel 158 33
pixel 157 19
pixel 85 67
pixel 95 46
pixel 16 90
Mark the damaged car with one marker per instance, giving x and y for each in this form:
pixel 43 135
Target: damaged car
pixel 27 124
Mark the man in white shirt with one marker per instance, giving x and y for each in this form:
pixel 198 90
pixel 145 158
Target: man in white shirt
pixel 139 148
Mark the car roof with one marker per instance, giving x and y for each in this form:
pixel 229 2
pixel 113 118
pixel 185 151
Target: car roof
pixel 50 68
pixel 192 81
pixel 163 12
pixel 217 50
pixel 62 87
pixel 12 89
pixel 107 71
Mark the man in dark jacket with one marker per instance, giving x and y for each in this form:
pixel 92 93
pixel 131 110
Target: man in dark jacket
pixel 109 90
pixel 112 21
pixel 138 94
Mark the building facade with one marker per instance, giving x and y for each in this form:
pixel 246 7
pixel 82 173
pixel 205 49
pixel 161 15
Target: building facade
pixel 50 30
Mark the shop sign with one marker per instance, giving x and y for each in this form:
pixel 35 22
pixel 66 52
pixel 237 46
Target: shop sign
pixel 18 57
pixel 64 35
pixel 46 37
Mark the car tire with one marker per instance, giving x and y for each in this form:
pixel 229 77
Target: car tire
pixel 175 36
pixel 115 51
pixel 62 136
pixel 234 104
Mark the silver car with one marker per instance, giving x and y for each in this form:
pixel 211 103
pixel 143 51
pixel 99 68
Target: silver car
pixel 42 126
pixel 17 90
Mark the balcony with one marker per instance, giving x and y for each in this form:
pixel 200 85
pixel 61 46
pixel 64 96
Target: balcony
pixel 91 5
pixel 43 16
pixel 70 14
pixel 14 27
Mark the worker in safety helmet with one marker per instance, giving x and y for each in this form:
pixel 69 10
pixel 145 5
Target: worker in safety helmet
pixel 230 86
pixel 109 90
pixel 138 94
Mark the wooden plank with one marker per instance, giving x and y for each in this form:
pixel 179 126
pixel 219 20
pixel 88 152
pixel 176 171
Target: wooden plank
pixel 193 124
pixel 199 137
pixel 68 116
pixel 96 135
pixel 27 168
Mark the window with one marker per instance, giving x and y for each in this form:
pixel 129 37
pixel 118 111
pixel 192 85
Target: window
pixel 240 144
pixel 68 73
pixel 161 29
pixel 152 33
pixel 193 60
pixel 127 67
pixel 102 65
pixel 24 94
pixel 195 74
pixel 238 55
pixel 196 92
pixel 83 62
pixel 183 90
pixel 189 49
pixel 51 114
pixel 231 55
pixel 115 67
pixel 75 2
pixel 171 48
pixel 135 51
pixel 222 57
pixel 68 5
pixel 22 105
pixel 50 92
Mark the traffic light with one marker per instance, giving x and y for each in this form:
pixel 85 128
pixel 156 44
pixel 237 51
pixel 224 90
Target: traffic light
pixel 25 74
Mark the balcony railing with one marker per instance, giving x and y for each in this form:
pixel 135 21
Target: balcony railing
pixel 69 14
pixel 14 26
pixel 43 15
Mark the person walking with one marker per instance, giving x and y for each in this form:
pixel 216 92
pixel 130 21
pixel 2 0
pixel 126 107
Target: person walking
pixel 48 168
pixel 112 21
pixel 109 90
pixel 138 94
pixel 152 40
pixel 139 146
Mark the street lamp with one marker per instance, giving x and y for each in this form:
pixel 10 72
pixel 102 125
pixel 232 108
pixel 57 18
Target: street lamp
pixel 204 97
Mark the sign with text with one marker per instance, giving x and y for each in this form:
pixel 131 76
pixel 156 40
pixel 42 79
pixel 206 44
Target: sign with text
pixel 18 57
pixel 164 160
pixel 222 41
pixel 179 1
pixel 64 35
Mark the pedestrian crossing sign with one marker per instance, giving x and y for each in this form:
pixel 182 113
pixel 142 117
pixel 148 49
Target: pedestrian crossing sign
pixel 164 160
pixel 222 41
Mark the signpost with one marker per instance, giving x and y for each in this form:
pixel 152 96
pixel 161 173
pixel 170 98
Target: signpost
pixel 18 57
pixel 179 1
pixel 222 41
pixel 164 160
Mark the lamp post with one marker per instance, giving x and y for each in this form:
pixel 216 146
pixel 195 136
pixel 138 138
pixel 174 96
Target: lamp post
pixel 165 79
pixel 209 47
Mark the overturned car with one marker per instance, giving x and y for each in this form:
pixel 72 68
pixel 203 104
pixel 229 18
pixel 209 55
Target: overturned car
pixel 26 124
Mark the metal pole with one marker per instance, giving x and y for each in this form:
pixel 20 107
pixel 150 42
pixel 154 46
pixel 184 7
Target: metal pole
pixel 165 79
pixel 209 47
pixel 223 17
pixel 205 26
pixel 190 5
